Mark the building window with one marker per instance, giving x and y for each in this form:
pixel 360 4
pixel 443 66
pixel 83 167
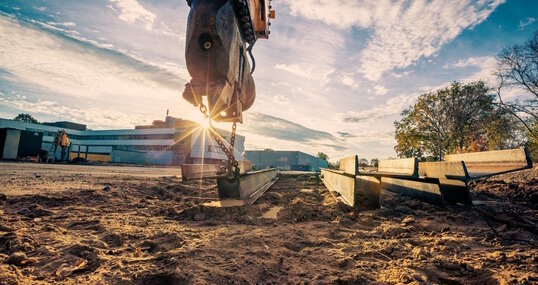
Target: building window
pixel 213 148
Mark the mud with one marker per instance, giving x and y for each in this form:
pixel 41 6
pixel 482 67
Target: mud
pixel 70 227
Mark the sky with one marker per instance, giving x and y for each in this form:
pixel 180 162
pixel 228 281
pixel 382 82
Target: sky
pixel 333 76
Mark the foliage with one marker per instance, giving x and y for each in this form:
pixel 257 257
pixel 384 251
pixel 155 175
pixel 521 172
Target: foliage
pixel 27 118
pixel 459 118
pixel 334 165
pixel 374 162
pixel 323 156
pixel 363 162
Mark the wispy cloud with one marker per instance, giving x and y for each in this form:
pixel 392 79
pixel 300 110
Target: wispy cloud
pixel 95 117
pixel 482 68
pixel 76 68
pixel 380 90
pixel 309 72
pixel 81 70
pixel 132 12
pixel 526 22
pixel 268 131
pixel 403 31
pixel 393 106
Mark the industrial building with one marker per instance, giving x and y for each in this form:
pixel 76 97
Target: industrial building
pixel 285 160
pixel 173 141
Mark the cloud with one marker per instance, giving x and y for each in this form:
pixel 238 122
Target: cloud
pixel 310 72
pixel 393 106
pixel 348 80
pixel 471 61
pixel 93 116
pixel 403 31
pixel 345 135
pixel 132 12
pixel 528 21
pixel 265 131
pixel 78 70
pixel 483 67
pixel 281 99
pixel 380 90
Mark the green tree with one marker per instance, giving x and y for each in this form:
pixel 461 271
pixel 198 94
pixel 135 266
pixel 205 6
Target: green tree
pixel 323 156
pixel 27 118
pixel 459 118
pixel 374 162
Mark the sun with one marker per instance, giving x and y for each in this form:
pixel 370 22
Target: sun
pixel 202 122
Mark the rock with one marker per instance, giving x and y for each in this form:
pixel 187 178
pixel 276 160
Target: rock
pixel 408 220
pixel 107 188
pixel 199 217
pixel 3 197
pixel 16 258
pixel 24 212
pixel 418 253
pixel 27 246
pixel 34 211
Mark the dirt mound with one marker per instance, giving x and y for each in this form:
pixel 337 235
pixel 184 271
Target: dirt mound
pixel 518 186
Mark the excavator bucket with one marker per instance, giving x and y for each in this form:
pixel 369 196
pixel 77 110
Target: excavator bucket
pixel 216 50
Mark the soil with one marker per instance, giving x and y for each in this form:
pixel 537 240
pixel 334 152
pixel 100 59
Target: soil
pixel 101 226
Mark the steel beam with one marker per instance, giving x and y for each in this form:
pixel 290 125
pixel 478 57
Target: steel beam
pixel 357 191
pixel 488 163
pixel 349 165
pixel 249 186
pixel 426 191
pixel 199 171
pixel 398 167
pixel 444 170
pixel 206 171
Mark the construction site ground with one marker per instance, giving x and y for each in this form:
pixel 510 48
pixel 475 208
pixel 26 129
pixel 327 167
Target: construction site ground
pixel 128 225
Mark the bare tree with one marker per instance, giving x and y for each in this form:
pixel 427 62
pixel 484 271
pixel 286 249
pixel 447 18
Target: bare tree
pixel 517 67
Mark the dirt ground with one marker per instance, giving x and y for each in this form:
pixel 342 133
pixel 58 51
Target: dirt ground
pixel 100 226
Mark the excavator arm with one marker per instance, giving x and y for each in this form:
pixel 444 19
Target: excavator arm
pixel 220 34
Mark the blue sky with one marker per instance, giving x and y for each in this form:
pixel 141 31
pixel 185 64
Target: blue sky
pixel 333 77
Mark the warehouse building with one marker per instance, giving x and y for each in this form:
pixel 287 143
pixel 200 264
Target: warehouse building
pixel 285 160
pixel 173 141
